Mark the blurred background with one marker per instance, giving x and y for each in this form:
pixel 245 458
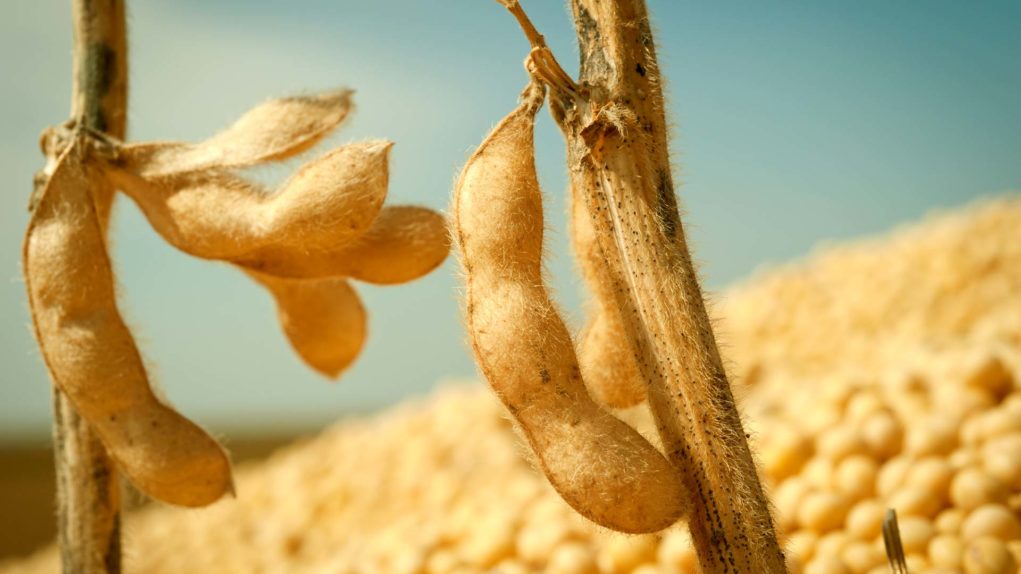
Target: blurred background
pixel 794 125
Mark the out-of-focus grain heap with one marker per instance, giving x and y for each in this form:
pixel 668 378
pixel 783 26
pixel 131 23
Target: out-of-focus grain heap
pixel 882 374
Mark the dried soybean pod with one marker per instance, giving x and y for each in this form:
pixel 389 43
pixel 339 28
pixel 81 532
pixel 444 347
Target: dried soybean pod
pixel 323 319
pixel 92 356
pixel 403 243
pixel 215 215
pixel 599 465
pixel 615 129
pixel 272 131
pixel 606 358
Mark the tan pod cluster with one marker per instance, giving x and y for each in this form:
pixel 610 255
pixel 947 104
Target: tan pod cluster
pixel 601 466
pixel 325 224
pixel 92 356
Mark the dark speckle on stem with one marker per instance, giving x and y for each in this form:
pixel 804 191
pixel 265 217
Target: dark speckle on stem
pixel 98 72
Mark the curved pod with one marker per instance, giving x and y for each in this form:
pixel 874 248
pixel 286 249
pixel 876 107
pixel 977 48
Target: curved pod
pixel 92 356
pixel 599 465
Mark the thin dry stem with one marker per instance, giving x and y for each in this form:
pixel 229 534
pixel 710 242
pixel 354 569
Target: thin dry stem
pixel 534 37
pixel 88 503
pixel 546 64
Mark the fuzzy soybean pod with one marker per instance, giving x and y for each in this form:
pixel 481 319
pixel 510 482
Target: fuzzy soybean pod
pixel 404 243
pixel 606 358
pixel 273 131
pixel 215 214
pixel 323 319
pixel 92 356
pixel 603 468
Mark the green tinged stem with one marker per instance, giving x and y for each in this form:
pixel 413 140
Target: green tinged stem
pixel 88 490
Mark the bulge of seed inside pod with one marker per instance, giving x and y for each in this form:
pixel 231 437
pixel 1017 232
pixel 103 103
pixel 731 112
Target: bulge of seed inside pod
pixel 839 442
pixel 973 487
pixel 949 521
pixel 823 511
pixel 883 434
pixel 862 556
pixel 915 533
pixel 988 556
pixel 946 551
pixel 625 553
pixel 648 569
pixel 826 565
pixel 892 475
pixel 855 476
pixel 573 558
pixel 865 519
pixel 991 520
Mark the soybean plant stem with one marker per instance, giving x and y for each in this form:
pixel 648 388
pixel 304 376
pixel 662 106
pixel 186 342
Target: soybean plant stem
pixel 88 490
pixel 620 168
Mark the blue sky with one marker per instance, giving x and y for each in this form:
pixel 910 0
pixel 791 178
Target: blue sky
pixel 795 124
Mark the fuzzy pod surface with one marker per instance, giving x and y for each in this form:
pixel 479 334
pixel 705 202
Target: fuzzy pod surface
pixel 602 467
pixel 91 355
pixel 404 243
pixel 324 320
pixel 604 353
pixel 272 131
pixel 215 214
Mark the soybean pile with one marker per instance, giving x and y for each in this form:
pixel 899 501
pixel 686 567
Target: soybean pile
pixel 882 373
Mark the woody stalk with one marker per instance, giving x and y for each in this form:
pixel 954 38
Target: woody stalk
pixel 614 125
